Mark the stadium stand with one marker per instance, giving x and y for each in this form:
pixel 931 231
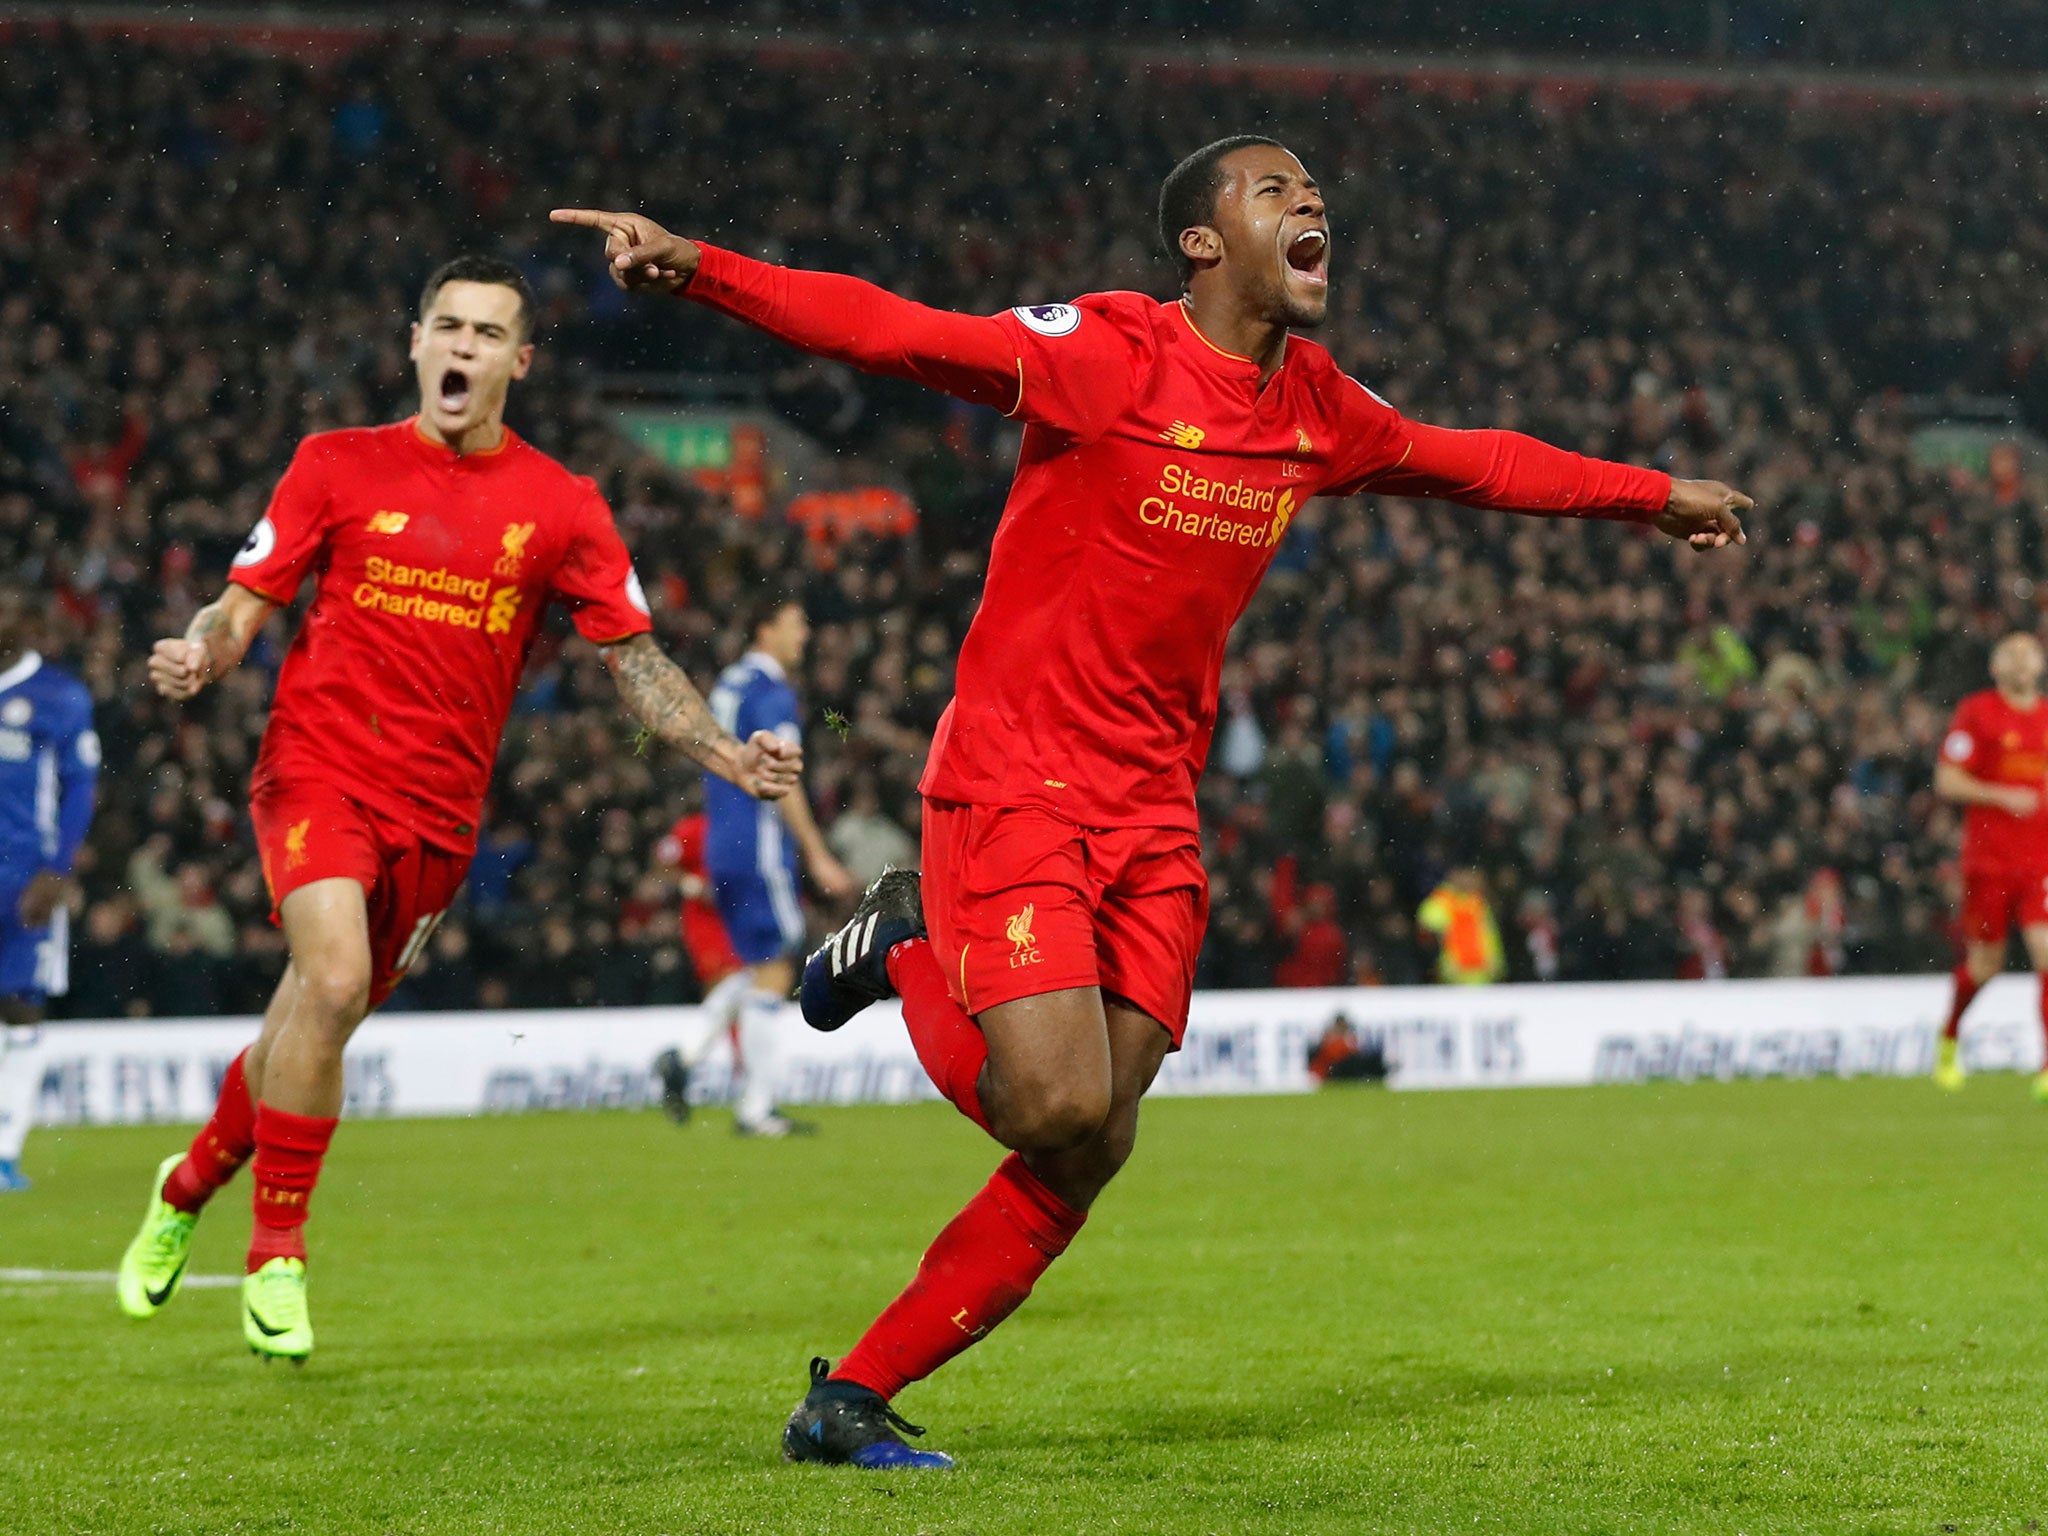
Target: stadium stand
pixel 1659 766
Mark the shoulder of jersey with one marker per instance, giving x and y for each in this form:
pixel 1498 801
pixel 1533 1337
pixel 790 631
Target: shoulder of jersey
pixel 1125 310
pixel 342 439
pixel 558 476
pixel 1312 360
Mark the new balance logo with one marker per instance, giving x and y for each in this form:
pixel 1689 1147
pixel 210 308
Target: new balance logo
pixel 1181 435
pixel 389 522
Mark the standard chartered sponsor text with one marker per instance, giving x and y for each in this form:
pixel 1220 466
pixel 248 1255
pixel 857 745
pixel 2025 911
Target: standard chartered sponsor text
pixel 1239 495
pixel 473 605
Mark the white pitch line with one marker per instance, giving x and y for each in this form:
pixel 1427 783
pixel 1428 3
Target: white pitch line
pixel 102 1277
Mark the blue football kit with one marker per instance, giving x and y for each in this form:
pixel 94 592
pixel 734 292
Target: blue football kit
pixel 747 849
pixel 49 764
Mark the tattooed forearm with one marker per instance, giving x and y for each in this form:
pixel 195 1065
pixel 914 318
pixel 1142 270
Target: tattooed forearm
pixel 662 697
pixel 226 627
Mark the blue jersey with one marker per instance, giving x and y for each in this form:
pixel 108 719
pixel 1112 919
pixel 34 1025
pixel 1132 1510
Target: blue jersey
pixel 49 763
pixel 742 833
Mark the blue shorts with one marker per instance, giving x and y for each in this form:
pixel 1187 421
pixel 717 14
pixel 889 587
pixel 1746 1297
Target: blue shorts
pixel 761 911
pixel 35 963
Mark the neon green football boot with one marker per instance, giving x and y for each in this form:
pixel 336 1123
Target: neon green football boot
pixel 2041 1088
pixel 1948 1068
pixel 153 1268
pixel 274 1316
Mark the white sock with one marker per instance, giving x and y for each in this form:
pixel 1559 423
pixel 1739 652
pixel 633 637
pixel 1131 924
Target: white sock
pixel 715 1015
pixel 757 1057
pixel 21 1084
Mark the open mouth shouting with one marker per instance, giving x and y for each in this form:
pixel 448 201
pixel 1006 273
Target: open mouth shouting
pixel 1308 257
pixel 453 394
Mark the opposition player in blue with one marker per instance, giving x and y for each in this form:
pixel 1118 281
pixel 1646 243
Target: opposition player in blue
pixel 49 764
pixel 753 852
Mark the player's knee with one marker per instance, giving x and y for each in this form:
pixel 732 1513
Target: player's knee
pixel 335 993
pixel 1059 1116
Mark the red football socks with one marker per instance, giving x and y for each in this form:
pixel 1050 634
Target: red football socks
pixel 948 1045
pixel 976 1273
pixel 288 1152
pixel 221 1147
pixel 1966 989
pixel 2044 1016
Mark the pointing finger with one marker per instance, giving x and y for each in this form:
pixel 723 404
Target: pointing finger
pixel 589 218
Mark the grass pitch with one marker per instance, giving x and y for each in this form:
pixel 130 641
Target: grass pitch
pixel 1768 1307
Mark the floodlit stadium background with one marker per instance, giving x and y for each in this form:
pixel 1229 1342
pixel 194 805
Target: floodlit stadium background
pixel 1797 248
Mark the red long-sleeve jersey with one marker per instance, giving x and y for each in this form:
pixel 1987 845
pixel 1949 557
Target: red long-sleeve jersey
pixel 1156 480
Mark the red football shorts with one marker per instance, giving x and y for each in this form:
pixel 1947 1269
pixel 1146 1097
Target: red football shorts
pixel 1019 902
pixel 1996 899
pixel 311 831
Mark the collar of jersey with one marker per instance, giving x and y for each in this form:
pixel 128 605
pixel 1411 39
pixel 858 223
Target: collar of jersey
pixel 443 451
pixel 24 669
pixel 768 664
pixel 1181 307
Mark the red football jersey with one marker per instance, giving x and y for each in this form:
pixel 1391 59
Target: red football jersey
pixel 1993 741
pixel 432 570
pixel 1156 481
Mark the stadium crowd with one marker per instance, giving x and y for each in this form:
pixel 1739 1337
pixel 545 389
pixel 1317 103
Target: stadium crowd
pixel 1654 765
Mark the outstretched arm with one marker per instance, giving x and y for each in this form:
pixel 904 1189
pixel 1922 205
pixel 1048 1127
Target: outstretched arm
pixel 972 356
pixel 661 696
pixel 214 643
pixel 1510 472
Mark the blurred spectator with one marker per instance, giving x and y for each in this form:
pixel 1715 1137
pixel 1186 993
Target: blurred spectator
pixel 180 914
pixel 110 964
pixel 1318 954
pixel 1338 1056
pixel 866 841
pixel 1456 916
pixel 1647 757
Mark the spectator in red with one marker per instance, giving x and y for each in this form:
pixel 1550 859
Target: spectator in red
pixel 1319 951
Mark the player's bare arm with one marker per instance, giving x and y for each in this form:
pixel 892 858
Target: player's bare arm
pixel 212 646
pixel 833 878
pixel 642 254
pixel 1958 784
pixel 662 697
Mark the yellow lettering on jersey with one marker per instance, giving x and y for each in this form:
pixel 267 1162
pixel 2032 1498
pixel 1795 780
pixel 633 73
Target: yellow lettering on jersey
pixel 389 522
pixel 389 572
pixel 1177 480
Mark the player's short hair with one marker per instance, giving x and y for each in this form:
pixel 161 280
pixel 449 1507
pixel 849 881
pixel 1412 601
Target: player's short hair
pixel 761 610
pixel 483 269
pixel 1188 195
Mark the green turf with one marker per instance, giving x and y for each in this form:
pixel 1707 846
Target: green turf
pixel 1753 1308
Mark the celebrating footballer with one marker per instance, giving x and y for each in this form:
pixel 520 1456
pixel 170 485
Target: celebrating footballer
pixel 434 545
pixel 1045 958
